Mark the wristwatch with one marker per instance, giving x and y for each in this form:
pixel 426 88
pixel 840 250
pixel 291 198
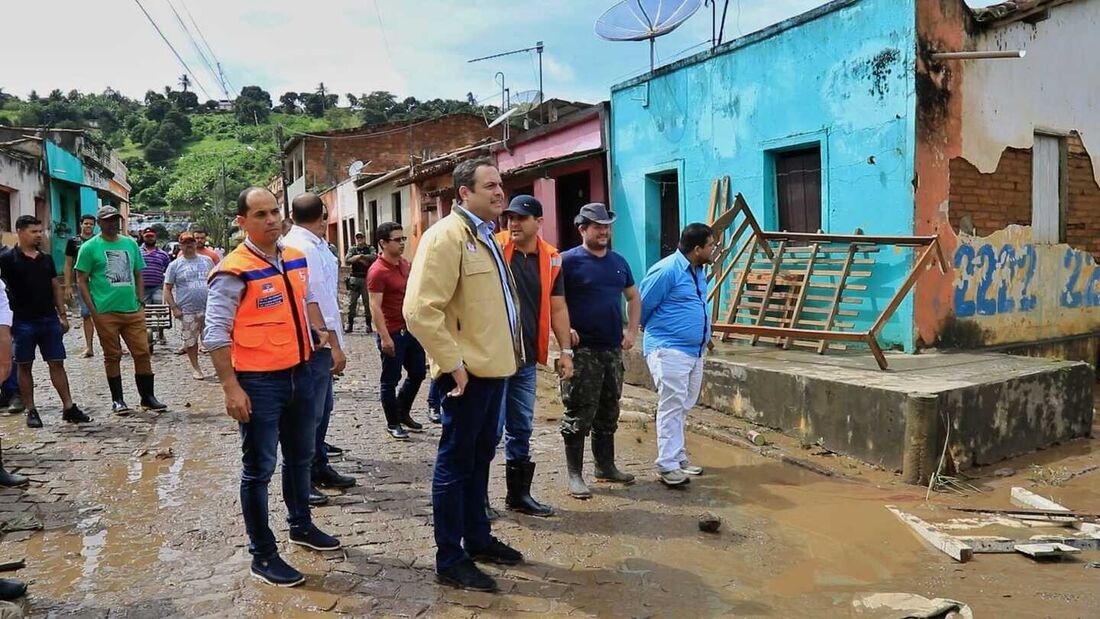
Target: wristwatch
pixel 567 352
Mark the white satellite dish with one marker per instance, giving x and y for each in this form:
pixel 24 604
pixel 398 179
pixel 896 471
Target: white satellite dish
pixel 355 168
pixel 505 116
pixel 644 20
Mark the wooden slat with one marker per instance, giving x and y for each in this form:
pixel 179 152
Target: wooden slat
pixel 712 211
pixel 841 274
pixel 778 261
pixel 918 270
pixel 951 546
pixel 835 305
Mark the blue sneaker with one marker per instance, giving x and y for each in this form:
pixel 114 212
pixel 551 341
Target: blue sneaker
pixel 275 571
pixel 314 538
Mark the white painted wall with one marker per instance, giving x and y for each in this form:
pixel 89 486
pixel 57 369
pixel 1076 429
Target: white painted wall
pixel 1054 88
pixel 24 183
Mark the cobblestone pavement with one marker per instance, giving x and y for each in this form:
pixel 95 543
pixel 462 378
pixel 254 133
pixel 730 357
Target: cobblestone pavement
pixel 140 519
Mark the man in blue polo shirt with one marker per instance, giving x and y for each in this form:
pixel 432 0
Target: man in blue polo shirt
pixel 596 279
pixel 676 333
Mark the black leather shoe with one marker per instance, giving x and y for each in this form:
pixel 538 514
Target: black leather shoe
pixel 398 432
pixel 33 420
pixel 74 415
pixel 333 450
pixel 275 571
pixel 497 552
pixel 11 589
pixel 411 424
pixel 466 575
pixel 317 498
pixel 312 537
pixel 327 477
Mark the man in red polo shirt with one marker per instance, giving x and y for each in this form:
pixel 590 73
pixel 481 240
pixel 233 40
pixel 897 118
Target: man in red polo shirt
pixel 386 283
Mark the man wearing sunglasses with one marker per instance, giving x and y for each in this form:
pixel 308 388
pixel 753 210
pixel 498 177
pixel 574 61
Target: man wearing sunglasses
pixel 386 282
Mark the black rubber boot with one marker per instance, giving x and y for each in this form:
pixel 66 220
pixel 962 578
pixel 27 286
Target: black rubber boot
pixel 118 403
pixel 149 401
pixel 603 450
pixel 11 589
pixel 9 480
pixel 404 406
pixel 519 474
pixel 574 462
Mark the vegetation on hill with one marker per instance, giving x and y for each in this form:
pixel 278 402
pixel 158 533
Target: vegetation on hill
pixel 186 155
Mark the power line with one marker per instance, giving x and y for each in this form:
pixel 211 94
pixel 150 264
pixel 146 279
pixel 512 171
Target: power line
pixel 382 29
pixel 195 45
pixel 171 47
pixel 225 81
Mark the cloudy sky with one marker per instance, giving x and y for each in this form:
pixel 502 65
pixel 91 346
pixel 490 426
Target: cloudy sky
pixel 409 47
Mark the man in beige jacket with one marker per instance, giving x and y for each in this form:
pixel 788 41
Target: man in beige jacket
pixel 461 305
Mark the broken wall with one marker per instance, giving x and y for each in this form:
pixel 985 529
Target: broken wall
pixel 976 123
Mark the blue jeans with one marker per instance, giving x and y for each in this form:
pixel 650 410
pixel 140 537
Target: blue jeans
pixel 320 369
pixel 409 355
pixel 466 448
pixel 282 415
pixel 518 413
pixel 435 395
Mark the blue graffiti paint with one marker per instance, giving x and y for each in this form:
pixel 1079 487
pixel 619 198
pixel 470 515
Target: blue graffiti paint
pixel 964 307
pixel 1002 269
pixel 1071 298
pixel 1005 302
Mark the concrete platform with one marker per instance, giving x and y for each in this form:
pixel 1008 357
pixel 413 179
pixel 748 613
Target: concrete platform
pixel 997 406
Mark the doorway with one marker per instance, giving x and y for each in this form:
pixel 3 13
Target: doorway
pixel 573 192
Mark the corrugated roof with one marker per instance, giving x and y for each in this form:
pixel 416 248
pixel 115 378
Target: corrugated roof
pixel 1016 10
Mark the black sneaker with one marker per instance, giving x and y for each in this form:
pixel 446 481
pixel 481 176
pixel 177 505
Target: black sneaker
pixel 312 537
pixel 33 420
pixel 411 424
pixel 497 552
pixel 327 477
pixel 466 575
pixel 74 415
pixel 317 498
pixel 398 432
pixel 433 415
pixel 275 571
pixel 333 450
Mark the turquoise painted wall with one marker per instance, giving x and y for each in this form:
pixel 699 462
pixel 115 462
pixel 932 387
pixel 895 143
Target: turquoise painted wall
pixel 69 199
pixel 841 77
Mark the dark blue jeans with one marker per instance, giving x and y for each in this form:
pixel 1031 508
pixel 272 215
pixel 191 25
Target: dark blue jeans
pixel 282 415
pixel 517 416
pixel 320 368
pixel 435 394
pixel 409 355
pixel 466 448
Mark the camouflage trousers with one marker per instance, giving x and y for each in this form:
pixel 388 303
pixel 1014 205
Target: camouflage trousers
pixel 591 396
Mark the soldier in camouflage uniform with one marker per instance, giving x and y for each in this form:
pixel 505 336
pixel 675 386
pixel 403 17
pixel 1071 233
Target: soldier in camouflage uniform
pixel 595 280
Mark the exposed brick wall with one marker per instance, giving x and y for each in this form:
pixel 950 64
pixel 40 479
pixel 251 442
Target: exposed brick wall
pixel 993 201
pixel 1083 218
pixel 390 147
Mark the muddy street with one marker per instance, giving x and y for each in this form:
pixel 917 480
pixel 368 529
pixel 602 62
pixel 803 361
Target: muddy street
pixel 140 518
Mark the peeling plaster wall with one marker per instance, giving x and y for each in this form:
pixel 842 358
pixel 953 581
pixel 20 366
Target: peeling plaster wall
pixel 1053 88
pixel 840 77
pixel 24 181
pixel 1008 289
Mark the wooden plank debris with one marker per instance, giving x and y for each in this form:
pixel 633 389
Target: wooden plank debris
pixel 1046 551
pixel 951 546
pixel 1029 512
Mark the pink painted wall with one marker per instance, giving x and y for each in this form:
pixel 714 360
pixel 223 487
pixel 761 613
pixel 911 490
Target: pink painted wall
pixel 577 138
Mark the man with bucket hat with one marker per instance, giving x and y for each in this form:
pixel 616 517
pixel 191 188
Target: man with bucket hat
pixel 595 277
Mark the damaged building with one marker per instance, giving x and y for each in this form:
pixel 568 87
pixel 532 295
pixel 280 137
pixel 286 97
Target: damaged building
pixel 845 118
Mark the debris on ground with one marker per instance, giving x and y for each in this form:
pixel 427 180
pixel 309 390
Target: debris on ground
pixel 164 453
pixel 894 605
pixel 710 522
pixel 1005 472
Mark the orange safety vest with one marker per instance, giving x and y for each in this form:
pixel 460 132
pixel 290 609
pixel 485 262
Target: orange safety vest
pixel 549 267
pixel 271 330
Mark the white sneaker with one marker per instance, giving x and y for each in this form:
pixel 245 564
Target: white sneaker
pixel 675 477
pixel 689 469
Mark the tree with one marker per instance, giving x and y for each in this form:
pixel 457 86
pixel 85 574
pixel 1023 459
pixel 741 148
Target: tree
pixel 316 104
pixel 289 102
pixel 156 109
pixel 158 151
pixel 185 100
pixel 253 106
pixel 377 106
pixel 180 121
pixel 353 101
pixel 184 82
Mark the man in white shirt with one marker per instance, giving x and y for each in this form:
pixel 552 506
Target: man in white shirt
pixel 307 236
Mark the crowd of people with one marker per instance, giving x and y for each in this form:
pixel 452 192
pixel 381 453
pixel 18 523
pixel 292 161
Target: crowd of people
pixel 476 308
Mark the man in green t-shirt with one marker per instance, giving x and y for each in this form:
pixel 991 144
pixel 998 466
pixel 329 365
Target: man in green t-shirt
pixel 108 271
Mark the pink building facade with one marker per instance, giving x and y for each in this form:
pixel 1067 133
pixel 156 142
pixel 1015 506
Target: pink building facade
pixel 564 165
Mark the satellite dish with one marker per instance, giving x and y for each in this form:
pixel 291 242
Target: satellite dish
pixel 644 20
pixel 355 168
pixel 505 116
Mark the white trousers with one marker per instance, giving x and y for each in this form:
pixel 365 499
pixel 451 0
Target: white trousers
pixel 678 378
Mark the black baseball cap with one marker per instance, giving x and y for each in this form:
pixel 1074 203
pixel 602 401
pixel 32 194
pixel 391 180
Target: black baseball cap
pixel 525 205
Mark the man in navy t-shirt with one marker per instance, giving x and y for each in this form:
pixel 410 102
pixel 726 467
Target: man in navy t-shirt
pixel 596 279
